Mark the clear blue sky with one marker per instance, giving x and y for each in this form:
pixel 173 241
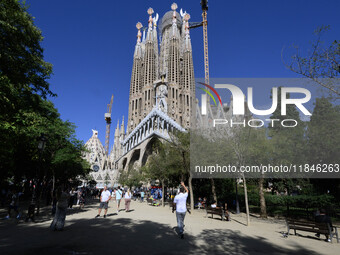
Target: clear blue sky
pixel 91 44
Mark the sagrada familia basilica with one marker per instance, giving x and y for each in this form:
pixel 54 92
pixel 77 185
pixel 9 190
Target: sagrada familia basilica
pixel 162 93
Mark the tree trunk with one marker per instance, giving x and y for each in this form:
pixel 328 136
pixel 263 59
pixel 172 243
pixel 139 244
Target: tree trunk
pixel 246 199
pixel 39 196
pixel 162 181
pixel 53 182
pixel 213 189
pixel 236 201
pixel 287 199
pixel 191 193
pixel 263 213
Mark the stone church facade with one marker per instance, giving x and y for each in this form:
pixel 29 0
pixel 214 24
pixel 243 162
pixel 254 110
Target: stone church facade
pixel 162 95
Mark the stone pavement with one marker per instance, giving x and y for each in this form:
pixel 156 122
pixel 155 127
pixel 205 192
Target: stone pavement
pixel 150 230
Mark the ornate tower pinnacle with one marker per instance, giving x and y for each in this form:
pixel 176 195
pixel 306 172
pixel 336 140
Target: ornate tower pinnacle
pixel 174 7
pixel 139 34
pixel 186 18
pixel 150 12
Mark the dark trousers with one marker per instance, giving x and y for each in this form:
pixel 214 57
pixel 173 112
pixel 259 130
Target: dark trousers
pixel 71 201
pixel 180 221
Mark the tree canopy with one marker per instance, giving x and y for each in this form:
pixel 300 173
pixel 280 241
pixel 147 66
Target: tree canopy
pixel 25 111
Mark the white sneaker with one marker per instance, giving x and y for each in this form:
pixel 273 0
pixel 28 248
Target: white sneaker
pixel 328 240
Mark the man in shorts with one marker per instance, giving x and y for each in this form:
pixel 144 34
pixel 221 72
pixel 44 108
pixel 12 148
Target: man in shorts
pixel 118 193
pixel 104 201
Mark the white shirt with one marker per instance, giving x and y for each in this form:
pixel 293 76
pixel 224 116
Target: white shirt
pixel 181 202
pixel 105 195
pixel 127 195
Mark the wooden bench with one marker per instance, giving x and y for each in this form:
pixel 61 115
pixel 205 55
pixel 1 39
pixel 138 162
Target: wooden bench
pixel 314 227
pixel 217 211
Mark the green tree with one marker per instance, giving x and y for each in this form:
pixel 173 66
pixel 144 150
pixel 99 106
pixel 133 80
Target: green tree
pixel 289 145
pixel 25 113
pixel 131 178
pixel 158 166
pixel 179 147
pixel 260 154
pixel 22 67
pixel 23 80
pixel 324 142
pixel 323 133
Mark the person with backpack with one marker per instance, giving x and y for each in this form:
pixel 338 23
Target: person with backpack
pixel 119 194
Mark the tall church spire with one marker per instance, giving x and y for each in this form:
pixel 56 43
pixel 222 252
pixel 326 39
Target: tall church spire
pixel 187 41
pixel 149 36
pixel 138 48
pixel 136 78
pixel 173 58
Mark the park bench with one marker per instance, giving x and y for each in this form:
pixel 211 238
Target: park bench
pixel 314 227
pixel 218 211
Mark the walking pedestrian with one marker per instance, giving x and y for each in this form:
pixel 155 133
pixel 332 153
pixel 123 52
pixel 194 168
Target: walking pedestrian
pixel 72 197
pixel 78 196
pixel 60 215
pixel 181 208
pixel 81 199
pixel 142 196
pixel 13 199
pixel 118 194
pixel 127 198
pixel 113 197
pixel 104 202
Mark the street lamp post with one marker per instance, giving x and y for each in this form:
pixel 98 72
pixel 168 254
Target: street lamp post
pixel 31 208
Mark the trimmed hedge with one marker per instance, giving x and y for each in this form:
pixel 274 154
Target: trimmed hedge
pixel 300 201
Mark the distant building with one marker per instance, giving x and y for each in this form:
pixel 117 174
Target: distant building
pixel 97 159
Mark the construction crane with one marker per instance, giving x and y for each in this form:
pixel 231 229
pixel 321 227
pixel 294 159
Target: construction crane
pixel 204 23
pixel 204 4
pixel 108 126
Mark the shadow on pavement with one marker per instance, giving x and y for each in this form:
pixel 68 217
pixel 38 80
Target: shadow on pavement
pixel 126 236
pixel 45 214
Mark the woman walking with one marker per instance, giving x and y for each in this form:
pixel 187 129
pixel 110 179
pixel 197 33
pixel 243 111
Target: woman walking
pixel 73 194
pixel 127 198
pixel 60 215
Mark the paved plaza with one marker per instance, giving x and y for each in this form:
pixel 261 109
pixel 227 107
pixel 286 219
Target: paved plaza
pixel 151 230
